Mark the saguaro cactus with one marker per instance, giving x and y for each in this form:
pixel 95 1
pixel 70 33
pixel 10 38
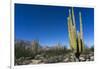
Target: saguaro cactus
pixel 75 37
pixel 35 47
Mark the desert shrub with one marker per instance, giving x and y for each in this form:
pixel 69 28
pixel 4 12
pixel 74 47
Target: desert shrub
pixel 21 51
pixel 92 48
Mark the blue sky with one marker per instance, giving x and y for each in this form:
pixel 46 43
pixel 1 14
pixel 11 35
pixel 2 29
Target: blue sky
pixel 48 24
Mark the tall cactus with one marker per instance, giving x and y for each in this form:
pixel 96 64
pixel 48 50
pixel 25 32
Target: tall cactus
pixel 75 38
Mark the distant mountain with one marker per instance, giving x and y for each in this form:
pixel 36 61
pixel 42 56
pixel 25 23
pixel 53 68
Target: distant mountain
pixel 28 44
pixel 25 43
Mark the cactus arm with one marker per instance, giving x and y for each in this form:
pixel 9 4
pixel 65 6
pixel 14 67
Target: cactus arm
pixel 69 31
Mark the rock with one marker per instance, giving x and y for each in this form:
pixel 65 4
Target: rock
pixel 35 61
pixel 87 59
pixel 66 60
pixel 45 60
pixel 76 59
pixel 90 55
pixel 26 62
pixel 21 59
pixel 82 58
pixel 92 58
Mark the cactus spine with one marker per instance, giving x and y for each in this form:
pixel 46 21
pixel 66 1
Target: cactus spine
pixel 75 37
